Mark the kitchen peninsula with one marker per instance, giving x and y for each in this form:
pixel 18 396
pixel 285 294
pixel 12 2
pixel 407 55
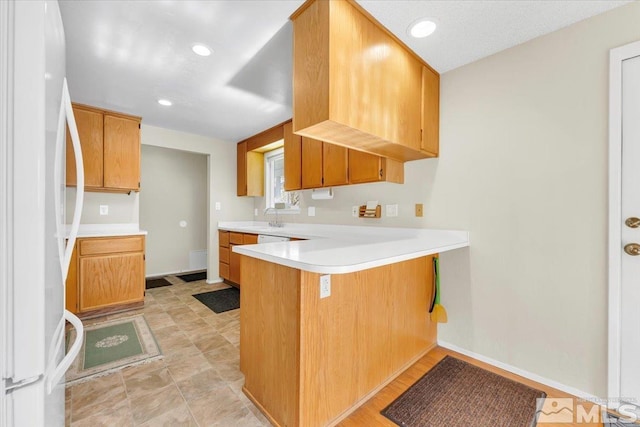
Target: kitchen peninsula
pixel 312 352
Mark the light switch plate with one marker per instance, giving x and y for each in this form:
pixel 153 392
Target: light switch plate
pixel 392 210
pixel 311 211
pixel 325 286
pixel 355 210
pixel 218 206
pixel 104 209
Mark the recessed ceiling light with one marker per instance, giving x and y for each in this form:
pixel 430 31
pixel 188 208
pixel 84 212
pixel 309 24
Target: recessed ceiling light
pixel 165 102
pixel 422 28
pixel 200 49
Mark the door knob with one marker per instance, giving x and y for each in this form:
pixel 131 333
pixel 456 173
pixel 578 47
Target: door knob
pixel 633 222
pixel 632 249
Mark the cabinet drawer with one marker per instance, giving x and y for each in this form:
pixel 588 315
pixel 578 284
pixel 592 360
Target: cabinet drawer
pixel 110 245
pixel 224 270
pixel 249 239
pixel 223 238
pixel 235 238
pixel 224 255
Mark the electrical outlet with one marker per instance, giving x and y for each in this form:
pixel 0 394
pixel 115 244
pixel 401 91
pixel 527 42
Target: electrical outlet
pixel 218 206
pixel 255 212
pixel 355 210
pixel 418 209
pixel 392 210
pixel 104 209
pixel 311 211
pixel 325 286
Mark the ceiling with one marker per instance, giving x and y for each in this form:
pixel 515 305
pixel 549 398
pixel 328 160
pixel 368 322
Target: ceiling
pixel 125 55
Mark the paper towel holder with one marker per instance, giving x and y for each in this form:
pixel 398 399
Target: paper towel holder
pixel 376 212
pixel 322 194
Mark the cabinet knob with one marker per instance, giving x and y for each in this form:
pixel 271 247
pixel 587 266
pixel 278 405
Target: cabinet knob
pixel 632 249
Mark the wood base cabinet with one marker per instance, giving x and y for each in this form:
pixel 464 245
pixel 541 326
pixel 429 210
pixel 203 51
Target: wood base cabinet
pixel 309 361
pixel 229 261
pixel 107 273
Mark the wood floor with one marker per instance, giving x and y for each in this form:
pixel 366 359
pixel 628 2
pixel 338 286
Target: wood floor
pixel 369 414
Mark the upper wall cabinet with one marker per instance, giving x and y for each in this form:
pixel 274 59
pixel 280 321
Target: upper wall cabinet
pixel 110 150
pixel 356 85
pixel 250 159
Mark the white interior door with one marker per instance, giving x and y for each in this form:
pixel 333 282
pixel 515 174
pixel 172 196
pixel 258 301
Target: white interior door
pixel 630 232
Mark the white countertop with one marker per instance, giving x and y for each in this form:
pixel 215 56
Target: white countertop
pixel 337 249
pixel 106 230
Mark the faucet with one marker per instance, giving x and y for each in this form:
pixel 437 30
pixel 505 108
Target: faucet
pixel 277 222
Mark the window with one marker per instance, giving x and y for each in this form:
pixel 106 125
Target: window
pixel 274 183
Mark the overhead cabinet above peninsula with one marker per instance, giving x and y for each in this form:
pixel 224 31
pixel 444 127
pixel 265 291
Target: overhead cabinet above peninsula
pixel 110 150
pixel 356 85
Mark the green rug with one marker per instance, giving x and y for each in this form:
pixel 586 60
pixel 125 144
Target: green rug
pixel 112 345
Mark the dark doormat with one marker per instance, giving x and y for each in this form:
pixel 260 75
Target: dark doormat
pixel 193 277
pixel 156 282
pixel 220 301
pixel 456 393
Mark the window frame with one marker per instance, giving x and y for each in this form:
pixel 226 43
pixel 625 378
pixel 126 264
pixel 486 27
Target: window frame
pixel 269 158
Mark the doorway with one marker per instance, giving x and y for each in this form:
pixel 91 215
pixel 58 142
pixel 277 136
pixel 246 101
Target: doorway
pixel 624 228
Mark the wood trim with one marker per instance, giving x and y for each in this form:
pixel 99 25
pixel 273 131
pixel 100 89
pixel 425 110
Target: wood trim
pixel 235 238
pixel 430 118
pixel 266 137
pixel 241 169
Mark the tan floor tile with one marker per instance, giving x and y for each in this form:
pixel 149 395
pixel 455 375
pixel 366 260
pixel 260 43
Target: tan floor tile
pixel 229 370
pixel 159 320
pixel 147 382
pixel 192 324
pixel 223 353
pixel 168 301
pixel 188 366
pixel 135 371
pixel 209 342
pixel 152 405
pixel 233 336
pixel 109 402
pixel 173 342
pixel 180 416
pixel 180 352
pixel 219 405
pixel 194 334
pixel 200 385
pixel 96 390
pixel 167 331
pixel 109 419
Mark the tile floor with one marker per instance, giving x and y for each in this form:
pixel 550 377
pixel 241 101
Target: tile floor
pixel 197 383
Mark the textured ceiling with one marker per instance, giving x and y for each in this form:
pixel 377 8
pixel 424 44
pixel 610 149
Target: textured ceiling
pixel 125 55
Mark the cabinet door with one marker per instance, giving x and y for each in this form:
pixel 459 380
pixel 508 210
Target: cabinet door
pixel 292 159
pixel 90 130
pixel 364 167
pixel 111 280
pixel 430 112
pixel 311 163
pixel 121 153
pixel 241 169
pixel 335 164
pixel 249 239
pixel 234 266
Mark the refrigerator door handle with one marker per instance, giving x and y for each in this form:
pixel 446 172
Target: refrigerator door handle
pixel 67 360
pixel 66 111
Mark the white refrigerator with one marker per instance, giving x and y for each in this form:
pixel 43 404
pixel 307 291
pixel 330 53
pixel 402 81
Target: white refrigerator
pixel 34 258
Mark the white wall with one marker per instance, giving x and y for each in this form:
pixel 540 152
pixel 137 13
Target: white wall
pixel 123 208
pixel 221 182
pixel 523 167
pixel 174 189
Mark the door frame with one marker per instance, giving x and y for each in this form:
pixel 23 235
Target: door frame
pixel 616 57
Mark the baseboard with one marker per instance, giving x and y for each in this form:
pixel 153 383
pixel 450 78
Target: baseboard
pixel 218 280
pixel 531 376
pixel 172 273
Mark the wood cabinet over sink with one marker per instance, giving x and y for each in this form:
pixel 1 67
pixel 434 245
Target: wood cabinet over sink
pixel 110 144
pixel 357 85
